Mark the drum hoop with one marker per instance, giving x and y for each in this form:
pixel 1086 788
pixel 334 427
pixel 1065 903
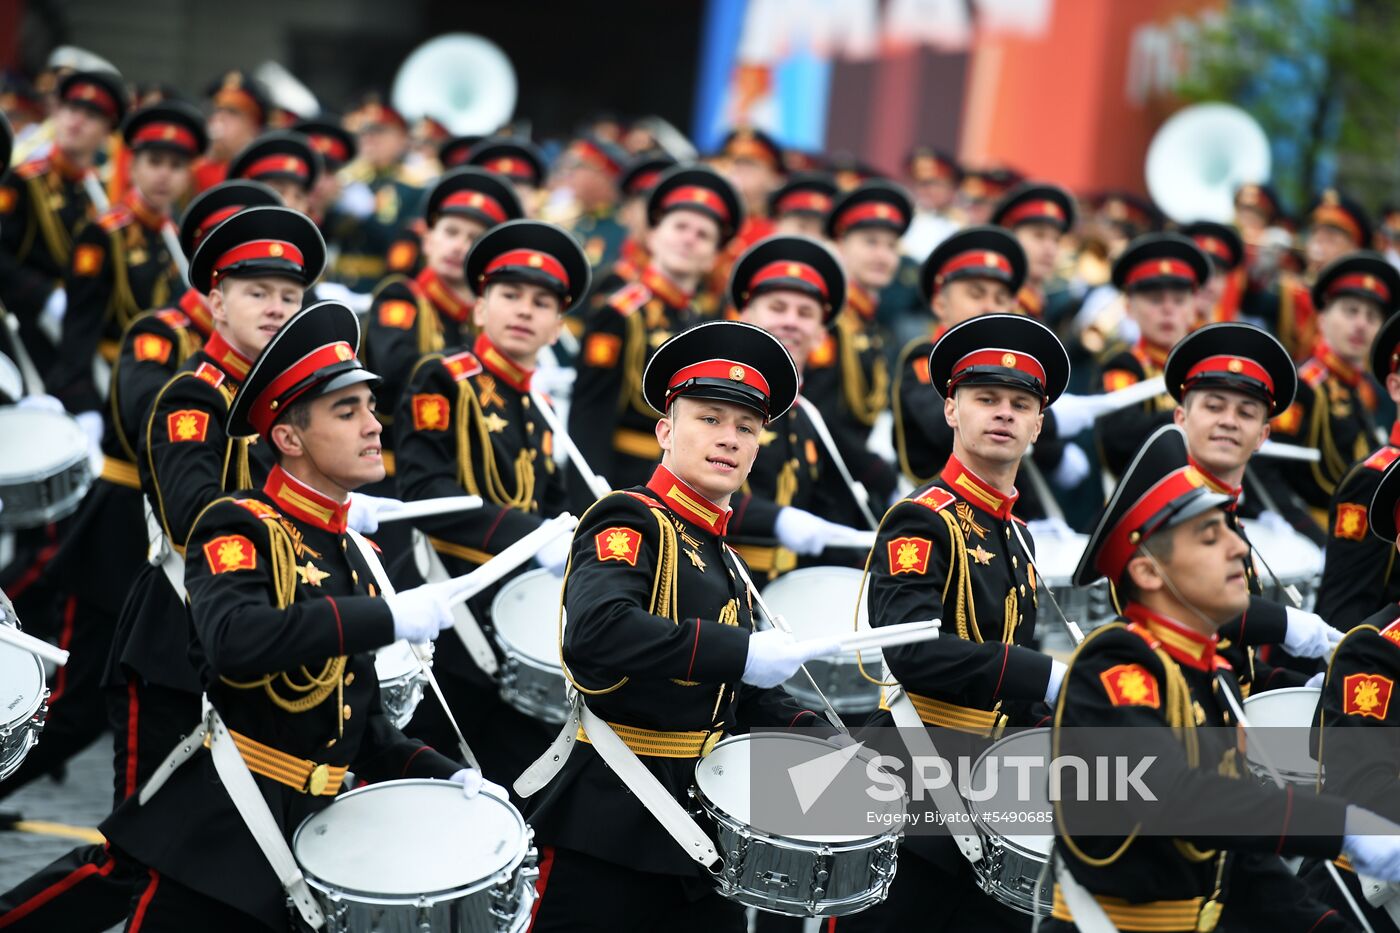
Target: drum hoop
pixel 500 630
pixel 78 457
pixel 993 836
pixel 21 722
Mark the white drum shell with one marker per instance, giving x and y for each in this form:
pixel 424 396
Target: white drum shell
pixel 1279 724
pixel 401 680
pixel 1014 863
pixel 23 706
pixel 525 621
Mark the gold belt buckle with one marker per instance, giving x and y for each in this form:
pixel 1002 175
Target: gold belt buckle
pixel 1209 916
pixel 320 777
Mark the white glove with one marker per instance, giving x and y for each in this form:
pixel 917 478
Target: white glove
pixel 1316 679
pixel 554 556
pixel 1308 635
pixel 422 612
pixel 41 402
pixel 91 423
pixel 1057 677
pixel 805 533
pixel 356 200
pixel 1075 413
pixel 51 318
pixel 364 511
pixel 774 656
pixel 1074 466
pixel 1372 843
pixel 1275 522
pixel 1044 529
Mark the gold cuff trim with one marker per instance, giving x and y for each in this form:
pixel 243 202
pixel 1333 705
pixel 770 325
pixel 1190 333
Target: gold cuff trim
pixel 459 551
pixel 765 559
pixel 933 712
pixel 1152 917
pixel 658 744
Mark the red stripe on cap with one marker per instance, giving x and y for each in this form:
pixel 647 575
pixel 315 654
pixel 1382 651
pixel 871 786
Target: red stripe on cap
pixel 644 181
pixel 506 165
pixel 718 369
pixel 1033 210
pixel 214 219
pixel 1214 246
pixel 167 133
pixel 530 259
pixel 259 249
pixel 1006 359
pixel 1360 281
pixel 1337 216
pixel 234 98
pixel 788 269
pixel 597 157
pixel 476 201
pixel 814 201
pixel 868 211
pixel 1226 365
pixel 268 405
pixel 278 165
pixel 1120 543
pixel 1160 268
pixel 330 147
pixel 974 259
pixel 93 94
pixel 696 196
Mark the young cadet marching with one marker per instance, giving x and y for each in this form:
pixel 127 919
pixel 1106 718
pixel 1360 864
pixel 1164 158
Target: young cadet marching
pixel 1228 381
pixel 468 426
pixel 284 161
pixel 1333 413
pixel 847 376
pixel 800 207
pixel 380 195
pixel 1038 215
pixel 121 264
pixel 1164 541
pixel 1158 274
pixel 519 161
pixel 286 615
pixel 952 550
pixel 693 212
pixel 1218 300
pixel 670 668
pixel 1356 719
pixel 1358 576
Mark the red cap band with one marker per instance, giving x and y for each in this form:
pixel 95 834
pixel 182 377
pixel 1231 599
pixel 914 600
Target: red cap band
pixel 1034 210
pixel 878 211
pixel 696 196
pixel 1225 365
pixel 718 369
pixel 1006 359
pixel 278 165
pixel 510 167
pixel 1214 246
pixel 475 201
pixel 269 404
pixel 1160 268
pixel 644 181
pixel 974 259
pixel 788 269
pixel 166 134
pixel 1337 216
pixel 94 95
pixel 1122 541
pixel 1360 281
pixel 531 259
pixel 595 156
pixel 742 147
pixel 214 219
pixel 330 147
pixel 814 201
pixel 259 249
pixel 928 168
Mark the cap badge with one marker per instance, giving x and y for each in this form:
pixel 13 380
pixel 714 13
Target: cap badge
pixel 535 262
pixel 475 200
pixel 1235 366
pixel 168 133
pixel 275 249
pixel 1008 360
pixel 736 373
pixel 342 352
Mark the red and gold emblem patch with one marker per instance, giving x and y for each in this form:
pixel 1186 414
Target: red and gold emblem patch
pixel 7 200
pixel 825 353
pixel 1351 521
pixel 618 544
pixel 1367 695
pixel 921 370
pixel 401 257
pixel 187 424
pixel 151 347
pixel 87 259
pixel 1392 632
pixel 1290 420
pixel 230 552
pixel 398 314
pixel 430 412
pixel 1116 379
pixel 909 555
pixel 602 350
pixel 1131 685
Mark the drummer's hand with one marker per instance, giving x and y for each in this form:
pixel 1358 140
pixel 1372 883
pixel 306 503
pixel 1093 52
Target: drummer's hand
pixel 805 533
pixel 473 783
pixel 1075 413
pixel 774 656
pixel 1057 677
pixel 422 612
pixel 1309 636
pixel 364 511
pixel 43 402
pixel 554 556
pixel 1316 680
pixel 1372 843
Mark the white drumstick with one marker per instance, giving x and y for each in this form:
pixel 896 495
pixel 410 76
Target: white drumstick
pixel 469 584
pixel 888 636
pixel 597 485
pixel 12 636
pixel 422 508
pixel 1282 451
pixel 860 540
pixel 1134 394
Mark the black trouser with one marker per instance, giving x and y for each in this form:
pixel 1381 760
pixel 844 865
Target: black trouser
pixel 579 893
pixel 89 889
pixel 931 899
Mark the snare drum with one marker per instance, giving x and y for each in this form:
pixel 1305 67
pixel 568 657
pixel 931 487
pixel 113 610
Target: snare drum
pixel 1089 606
pixel 1291 556
pixel 819 601
pixel 44 473
pixel 401 680
pixel 1017 844
pixel 525 614
pixel 801 876
pixel 23 706
pixel 1286 716
pixel 418 857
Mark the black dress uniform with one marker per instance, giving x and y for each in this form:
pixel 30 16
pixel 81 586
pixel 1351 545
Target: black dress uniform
pixel 953 550
pixel 365 241
pixel 1151 672
pixel 1036 203
pixel 1152 261
pixel 923 439
pixel 598 228
pixel 620 337
pixel 285 620
pixel 1334 412
pixel 44 205
pixel 467 426
pixel 121 264
pixel 1358 577
pixel 662 666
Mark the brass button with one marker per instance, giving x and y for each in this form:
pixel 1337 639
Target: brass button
pixel 320 777
pixel 330 744
pixel 525 401
pixel 355 577
pixel 342 544
pixel 372 590
pixel 1014 562
pixel 529 427
pixel 345 711
pixel 349 678
pixel 1023 593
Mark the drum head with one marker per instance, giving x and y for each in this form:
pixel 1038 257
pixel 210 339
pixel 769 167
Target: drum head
pixel 526 615
pixel 409 838
pixel 21 684
pixel 1056 558
pixel 38 443
pixel 818 600
pixel 723 778
pixel 394 661
pixel 1007 798
pixel 1287 748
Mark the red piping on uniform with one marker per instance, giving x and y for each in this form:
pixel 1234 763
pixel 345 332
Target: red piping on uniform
pixel 339 628
pixel 41 560
pixel 55 889
pixel 416 752
pixel 693 650
pixel 133 719
pixel 1287 815
pixel 1322 918
pixel 494 525
pixel 65 640
pixel 831 925
pixel 805 712
pixel 139 917
pixel 1005 657
pixel 546 864
pixel 739 510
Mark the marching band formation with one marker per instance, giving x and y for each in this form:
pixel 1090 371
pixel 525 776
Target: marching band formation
pixel 437 523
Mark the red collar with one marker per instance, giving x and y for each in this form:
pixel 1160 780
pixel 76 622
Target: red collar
pixel 1151 357
pixel 148 216
pixel 860 301
pixel 1395 434
pixel 305 504
pixel 515 376
pixel 1337 366
pixel 974 489
pixel 1183 645
pixel 1032 301
pixel 443 298
pixel 197 310
pixel 66 168
pixel 1215 484
pixel 662 287
pixel 233 363
pixel 687 503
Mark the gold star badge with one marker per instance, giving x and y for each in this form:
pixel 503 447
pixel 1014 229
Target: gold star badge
pixel 495 423
pixel 310 574
pixel 981 555
pixel 695 559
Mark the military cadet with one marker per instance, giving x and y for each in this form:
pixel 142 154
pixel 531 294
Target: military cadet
pixel 591 168
pixel 693 212
pixel 240 109
pixel 669 670
pixel 44 204
pixel 379 196
pixel 1228 380
pixel 636 183
pixel 1337 400
pixel 1158 275
pixel 467 426
pixel 801 205
pixel 337 149
pixel 1039 215
pixel 934 177
pixel 753 162
pixel 286 615
pixel 121 264
pixel 284 161
pixel 519 161
pixel 1218 300
pixel 1358 575
pixel 452 152
pixel 980 189
pixel 1354 747
pixel 953 550
pixel 1184 861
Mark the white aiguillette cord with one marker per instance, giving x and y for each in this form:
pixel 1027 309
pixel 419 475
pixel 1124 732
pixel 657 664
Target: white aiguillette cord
pixel 424 659
pixel 597 485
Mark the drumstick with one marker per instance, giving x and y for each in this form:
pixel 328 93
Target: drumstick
pixel 469 584
pixel 887 636
pixel 12 636
pixel 860 540
pixel 1131 395
pixel 1281 451
pixel 597 485
pixel 422 508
